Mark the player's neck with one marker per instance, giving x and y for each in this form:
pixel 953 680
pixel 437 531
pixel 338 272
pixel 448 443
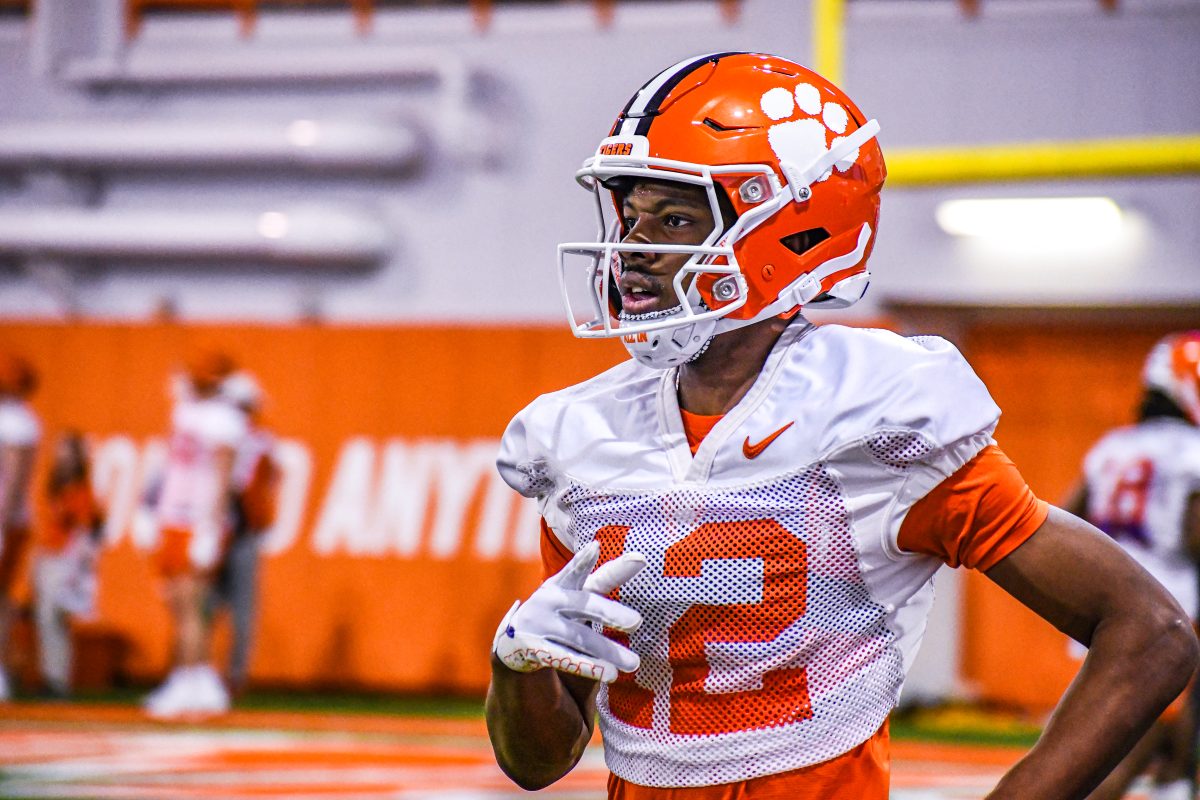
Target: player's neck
pixel 715 382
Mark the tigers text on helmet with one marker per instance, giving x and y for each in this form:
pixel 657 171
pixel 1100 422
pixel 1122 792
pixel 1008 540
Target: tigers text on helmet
pixel 1173 368
pixel 790 153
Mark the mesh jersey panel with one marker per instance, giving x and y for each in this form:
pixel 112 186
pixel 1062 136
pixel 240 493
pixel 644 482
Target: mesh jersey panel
pixel 897 449
pixel 762 650
pixel 537 477
pixel 775 631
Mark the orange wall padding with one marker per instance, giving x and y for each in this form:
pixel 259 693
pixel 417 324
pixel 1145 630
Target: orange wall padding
pixel 1061 386
pixel 400 611
pixel 402 418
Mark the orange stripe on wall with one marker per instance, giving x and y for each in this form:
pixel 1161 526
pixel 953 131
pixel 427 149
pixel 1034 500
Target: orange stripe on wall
pixel 380 619
pixel 1061 386
pixel 423 621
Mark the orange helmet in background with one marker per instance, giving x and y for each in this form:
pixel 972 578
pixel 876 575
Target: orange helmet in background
pixel 207 369
pixel 1173 368
pixel 18 378
pixel 792 156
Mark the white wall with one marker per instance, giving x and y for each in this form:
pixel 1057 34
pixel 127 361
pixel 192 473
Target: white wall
pixel 473 228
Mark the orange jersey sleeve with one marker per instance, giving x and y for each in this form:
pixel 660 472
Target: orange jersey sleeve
pixel 863 774
pixel 258 498
pixel 975 517
pixel 555 554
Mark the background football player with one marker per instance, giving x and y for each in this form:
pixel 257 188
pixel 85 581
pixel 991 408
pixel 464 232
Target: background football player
pixel 19 435
pixel 65 564
pixel 194 522
pixel 1142 487
pixel 255 480
pixel 769 500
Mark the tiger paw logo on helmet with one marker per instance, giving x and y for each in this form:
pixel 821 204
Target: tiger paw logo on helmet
pixel 805 138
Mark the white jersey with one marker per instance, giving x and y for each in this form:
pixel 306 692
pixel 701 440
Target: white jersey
pixel 200 428
pixel 1139 479
pixel 19 427
pixel 780 615
pixel 256 445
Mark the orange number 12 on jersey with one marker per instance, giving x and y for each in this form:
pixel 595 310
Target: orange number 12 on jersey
pixel 783 696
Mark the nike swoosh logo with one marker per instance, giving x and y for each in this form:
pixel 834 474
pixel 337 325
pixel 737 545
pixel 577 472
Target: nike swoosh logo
pixel 755 450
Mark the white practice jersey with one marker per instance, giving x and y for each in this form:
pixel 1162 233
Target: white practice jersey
pixel 19 427
pixel 190 481
pixel 256 445
pixel 780 615
pixel 1139 479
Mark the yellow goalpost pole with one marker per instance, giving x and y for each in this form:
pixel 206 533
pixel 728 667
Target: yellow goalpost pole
pixel 1022 161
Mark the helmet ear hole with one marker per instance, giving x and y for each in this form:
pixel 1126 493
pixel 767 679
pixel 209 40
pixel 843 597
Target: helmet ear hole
pixel 729 214
pixel 803 241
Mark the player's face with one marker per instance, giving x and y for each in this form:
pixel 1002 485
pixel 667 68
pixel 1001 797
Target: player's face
pixel 659 212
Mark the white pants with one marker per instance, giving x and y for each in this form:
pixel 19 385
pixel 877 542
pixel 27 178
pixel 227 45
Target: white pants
pixel 53 624
pixel 64 586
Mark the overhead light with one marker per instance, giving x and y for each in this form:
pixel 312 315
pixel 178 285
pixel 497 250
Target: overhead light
pixel 331 143
pixel 273 224
pixel 1032 219
pixel 328 234
pixel 303 132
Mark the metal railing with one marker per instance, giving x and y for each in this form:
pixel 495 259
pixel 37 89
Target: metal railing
pixel 248 11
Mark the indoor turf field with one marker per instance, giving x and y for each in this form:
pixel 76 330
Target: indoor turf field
pixel 300 747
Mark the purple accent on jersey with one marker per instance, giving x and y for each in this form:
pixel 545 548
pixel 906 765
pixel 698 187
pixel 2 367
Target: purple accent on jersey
pixel 1126 532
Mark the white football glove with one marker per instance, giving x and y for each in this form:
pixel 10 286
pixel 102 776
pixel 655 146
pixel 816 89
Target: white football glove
pixel 551 628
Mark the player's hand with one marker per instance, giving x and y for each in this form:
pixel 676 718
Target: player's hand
pixel 551 628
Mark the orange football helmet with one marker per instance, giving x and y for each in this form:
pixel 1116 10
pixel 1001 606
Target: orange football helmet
pixel 796 160
pixel 1173 368
pixel 18 378
pixel 207 368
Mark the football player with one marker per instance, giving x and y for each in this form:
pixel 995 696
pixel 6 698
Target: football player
pixel 768 501
pixel 194 522
pixel 255 482
pixel 1142 487
pixel 65 561
pixel 20 432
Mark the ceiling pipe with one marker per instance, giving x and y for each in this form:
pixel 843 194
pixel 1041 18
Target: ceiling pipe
pixel 452 114
pixel 310 234
pixel 298 143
